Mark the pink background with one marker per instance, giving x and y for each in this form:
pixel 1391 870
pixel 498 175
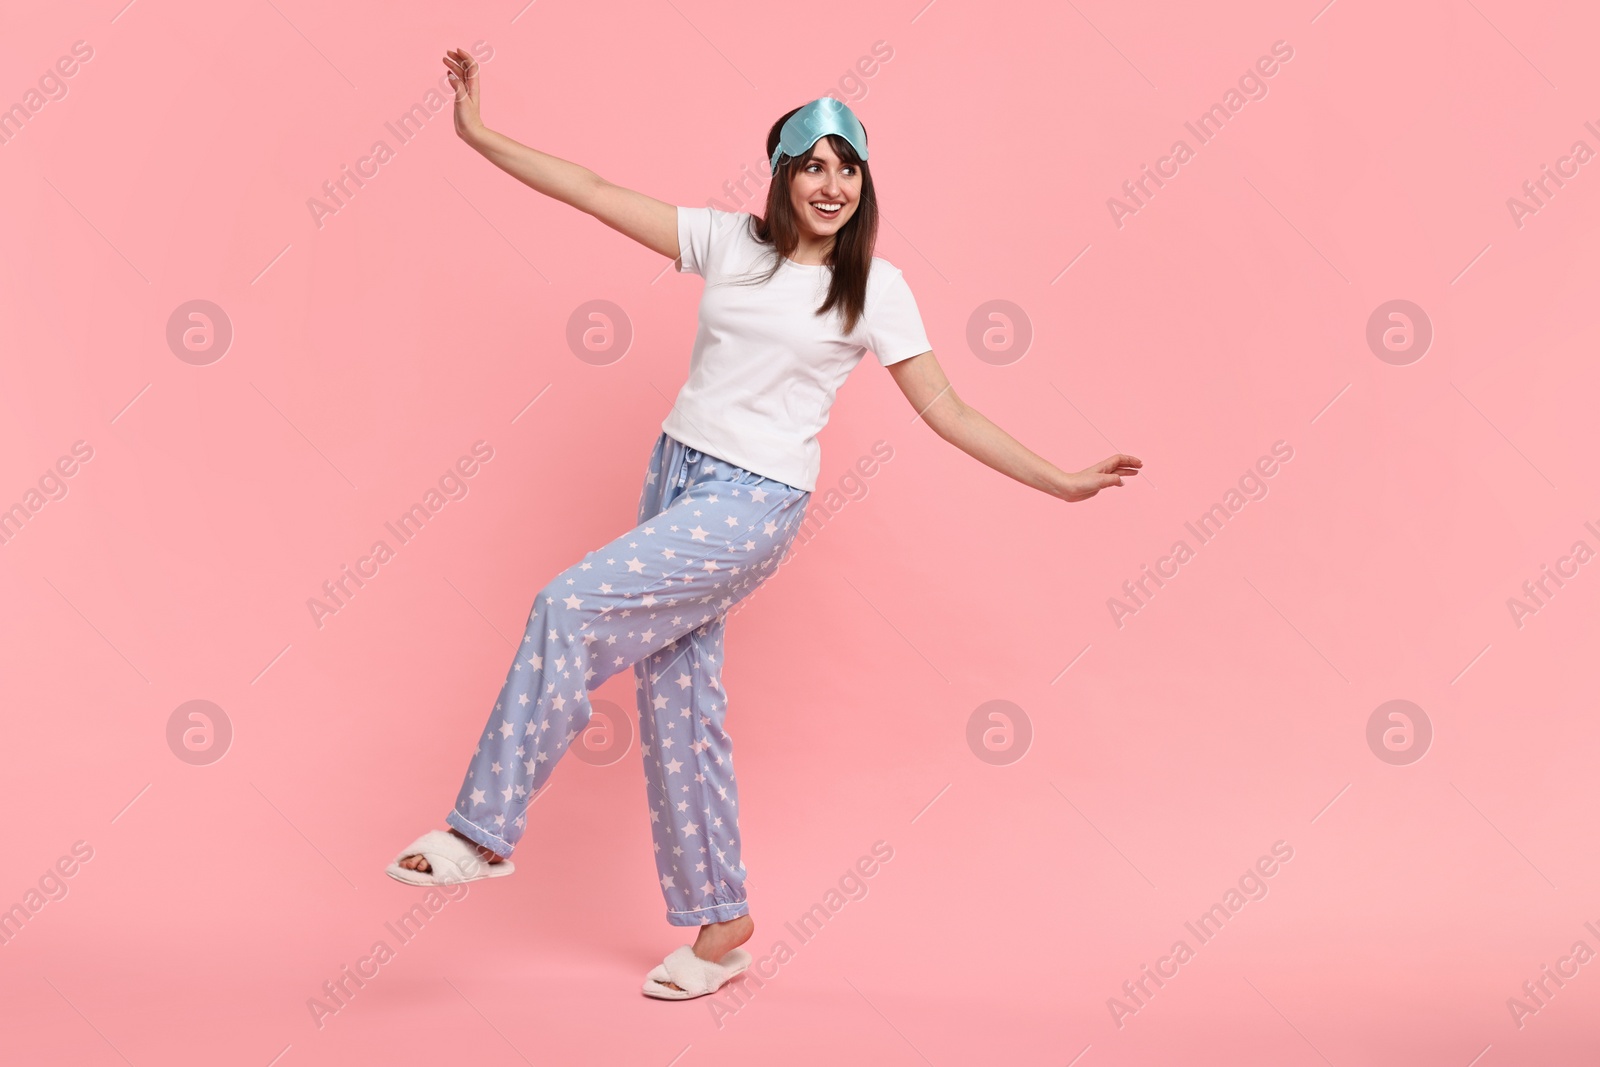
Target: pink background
pixel 1230 713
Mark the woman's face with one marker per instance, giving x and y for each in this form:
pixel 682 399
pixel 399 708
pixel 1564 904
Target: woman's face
pixel 825 182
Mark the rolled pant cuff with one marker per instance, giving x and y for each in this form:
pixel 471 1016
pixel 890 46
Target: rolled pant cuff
pixel 497 845
pixel 716 913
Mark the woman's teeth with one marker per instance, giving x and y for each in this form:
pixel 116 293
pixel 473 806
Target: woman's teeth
pixel 829 210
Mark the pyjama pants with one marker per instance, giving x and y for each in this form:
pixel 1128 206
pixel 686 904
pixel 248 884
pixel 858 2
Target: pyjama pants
pixel 656 599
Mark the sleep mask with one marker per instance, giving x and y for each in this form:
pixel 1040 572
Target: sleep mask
pixel 815 121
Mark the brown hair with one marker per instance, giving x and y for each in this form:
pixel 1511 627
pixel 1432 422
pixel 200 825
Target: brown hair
pixel 851 256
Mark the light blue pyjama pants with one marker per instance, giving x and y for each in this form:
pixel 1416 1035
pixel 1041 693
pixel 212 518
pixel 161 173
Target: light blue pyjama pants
pixel 656 599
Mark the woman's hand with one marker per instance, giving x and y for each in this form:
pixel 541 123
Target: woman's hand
pixel 464 78
pixel 1081 485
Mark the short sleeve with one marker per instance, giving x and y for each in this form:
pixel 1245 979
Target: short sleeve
pixel 705 239
pixel 894 325
pixel 694 239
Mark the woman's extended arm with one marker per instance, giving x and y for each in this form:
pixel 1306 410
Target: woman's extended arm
pixel 651 222
pixel 923 382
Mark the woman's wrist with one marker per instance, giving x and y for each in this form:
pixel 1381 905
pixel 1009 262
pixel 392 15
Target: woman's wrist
pixel 1060 484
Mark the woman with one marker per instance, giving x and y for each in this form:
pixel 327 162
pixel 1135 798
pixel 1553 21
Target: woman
pixel 792 301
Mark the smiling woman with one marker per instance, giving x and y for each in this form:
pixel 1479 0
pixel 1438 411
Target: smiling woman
pixel 793 300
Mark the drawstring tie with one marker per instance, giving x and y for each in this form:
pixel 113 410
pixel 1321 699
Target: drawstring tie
pixel 690 456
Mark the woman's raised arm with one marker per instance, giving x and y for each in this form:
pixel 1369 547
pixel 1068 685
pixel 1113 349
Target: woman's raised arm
pixel 651 222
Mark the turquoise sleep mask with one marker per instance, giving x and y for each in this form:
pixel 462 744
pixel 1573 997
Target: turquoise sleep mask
pixel 815 121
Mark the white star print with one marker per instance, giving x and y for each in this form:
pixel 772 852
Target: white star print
pixel 717 580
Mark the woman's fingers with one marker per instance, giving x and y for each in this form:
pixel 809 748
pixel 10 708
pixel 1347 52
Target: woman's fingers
pixel 1118 464
pixel 463 70
pixel 1107 473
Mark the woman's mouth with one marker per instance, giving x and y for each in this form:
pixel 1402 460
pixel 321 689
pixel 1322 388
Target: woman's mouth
pixel 827 209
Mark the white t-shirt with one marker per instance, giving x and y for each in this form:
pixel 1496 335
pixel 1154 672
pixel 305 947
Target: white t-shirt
pixel 765 367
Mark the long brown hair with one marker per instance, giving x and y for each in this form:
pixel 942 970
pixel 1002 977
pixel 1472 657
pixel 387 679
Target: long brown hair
pixel 851 257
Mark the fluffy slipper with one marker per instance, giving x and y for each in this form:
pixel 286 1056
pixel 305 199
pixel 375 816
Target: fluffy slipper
pixel 451 858
pixel 696 976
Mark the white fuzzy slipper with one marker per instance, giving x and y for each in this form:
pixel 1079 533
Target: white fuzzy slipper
pixel 696 976
pixel 451 858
